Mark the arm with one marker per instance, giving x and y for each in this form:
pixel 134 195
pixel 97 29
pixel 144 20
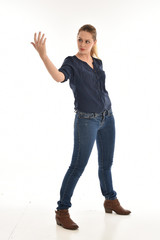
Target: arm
pixel 56 75
pixel 39 45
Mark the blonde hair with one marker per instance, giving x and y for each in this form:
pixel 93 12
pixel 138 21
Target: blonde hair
pixel 91 29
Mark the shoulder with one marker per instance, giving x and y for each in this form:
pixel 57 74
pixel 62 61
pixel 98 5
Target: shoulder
pixel 68 59
pixel 99 62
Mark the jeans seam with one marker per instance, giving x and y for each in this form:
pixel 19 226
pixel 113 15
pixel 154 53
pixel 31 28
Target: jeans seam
pixel 75 163
pixel 102 162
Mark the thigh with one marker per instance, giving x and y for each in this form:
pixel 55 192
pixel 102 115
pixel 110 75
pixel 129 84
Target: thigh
pixel 105 141
pixel 85 131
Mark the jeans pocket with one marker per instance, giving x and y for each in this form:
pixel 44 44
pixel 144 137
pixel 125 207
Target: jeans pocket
pixel 110 114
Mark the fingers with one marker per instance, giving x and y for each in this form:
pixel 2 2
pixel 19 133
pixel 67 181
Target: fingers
pixel 33 44
pixel 35 38
pixel 39 35
pixel 44 41
pixel 40 40
pixel 39 44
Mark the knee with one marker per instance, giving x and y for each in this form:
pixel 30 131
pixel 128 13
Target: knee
pixel 106 166
pixel 77 169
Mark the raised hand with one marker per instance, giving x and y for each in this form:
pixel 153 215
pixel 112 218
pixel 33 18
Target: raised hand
pixel 39 44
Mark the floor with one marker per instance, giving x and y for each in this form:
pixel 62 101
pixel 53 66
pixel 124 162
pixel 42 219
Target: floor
pixel 32 221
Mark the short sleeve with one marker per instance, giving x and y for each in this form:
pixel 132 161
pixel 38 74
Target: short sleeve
pixel 101 64
pixel 66 68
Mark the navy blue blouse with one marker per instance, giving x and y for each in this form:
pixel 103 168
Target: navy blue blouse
pixel 87 84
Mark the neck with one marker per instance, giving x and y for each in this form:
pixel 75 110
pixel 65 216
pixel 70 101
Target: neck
pixel 86 57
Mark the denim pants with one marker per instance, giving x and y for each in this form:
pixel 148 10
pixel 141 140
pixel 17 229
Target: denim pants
pixel 89 127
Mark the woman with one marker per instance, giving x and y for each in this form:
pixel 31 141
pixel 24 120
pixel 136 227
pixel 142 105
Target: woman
pixel 94 120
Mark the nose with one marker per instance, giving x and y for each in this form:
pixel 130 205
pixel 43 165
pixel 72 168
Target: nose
pixel 83 45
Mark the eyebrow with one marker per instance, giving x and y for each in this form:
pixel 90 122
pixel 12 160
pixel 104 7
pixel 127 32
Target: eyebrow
pixel 86 39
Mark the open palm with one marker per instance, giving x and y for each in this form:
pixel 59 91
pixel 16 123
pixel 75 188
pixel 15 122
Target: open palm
pixel 39 44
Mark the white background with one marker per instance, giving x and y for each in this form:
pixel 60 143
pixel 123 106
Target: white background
pixel 37 113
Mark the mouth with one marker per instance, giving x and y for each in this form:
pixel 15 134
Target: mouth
pixel 82 49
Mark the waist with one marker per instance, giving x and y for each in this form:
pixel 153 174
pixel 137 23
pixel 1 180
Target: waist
pixel 94 114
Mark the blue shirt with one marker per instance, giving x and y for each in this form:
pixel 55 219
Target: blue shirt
pixel 87 84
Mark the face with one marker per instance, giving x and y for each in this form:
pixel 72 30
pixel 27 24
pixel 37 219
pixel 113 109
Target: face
pixel 85 42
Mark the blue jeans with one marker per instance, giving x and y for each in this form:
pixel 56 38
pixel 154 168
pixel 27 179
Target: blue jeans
pixel 89 127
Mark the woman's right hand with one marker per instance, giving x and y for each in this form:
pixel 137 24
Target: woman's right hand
pixel 39 44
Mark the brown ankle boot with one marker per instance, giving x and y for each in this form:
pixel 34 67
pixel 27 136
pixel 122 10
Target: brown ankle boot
pixel 63 219
pixel 114 205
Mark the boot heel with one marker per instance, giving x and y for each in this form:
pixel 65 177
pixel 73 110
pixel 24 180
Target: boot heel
pixel 107 210
pixel 63 219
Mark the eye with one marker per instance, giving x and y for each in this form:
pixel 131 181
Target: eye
pixel 79 40
pixel 88 41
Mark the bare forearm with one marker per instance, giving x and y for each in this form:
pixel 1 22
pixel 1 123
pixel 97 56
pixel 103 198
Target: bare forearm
pixel 56 75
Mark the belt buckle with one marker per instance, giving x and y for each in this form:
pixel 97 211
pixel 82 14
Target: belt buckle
pixel 104 113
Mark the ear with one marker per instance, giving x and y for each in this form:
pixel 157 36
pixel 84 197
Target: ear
pixel 95 42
